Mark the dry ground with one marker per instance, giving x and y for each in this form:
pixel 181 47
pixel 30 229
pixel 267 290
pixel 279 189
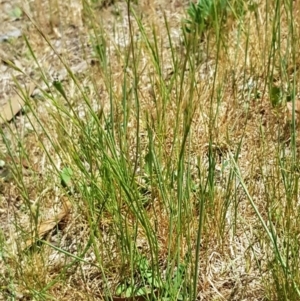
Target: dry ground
pixel 235 257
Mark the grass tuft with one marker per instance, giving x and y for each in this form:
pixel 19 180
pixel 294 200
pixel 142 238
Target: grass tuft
pixel 157 157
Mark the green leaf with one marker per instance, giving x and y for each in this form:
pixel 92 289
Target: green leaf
pixel 142 291
pixel 120 289
pixel 15 13
pixel 66 177
pixel 129 291
pixel 157 283
pixel 58 86
pixel 143 264
pixel 275 95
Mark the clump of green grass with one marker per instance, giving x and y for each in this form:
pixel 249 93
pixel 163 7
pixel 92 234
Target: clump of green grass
pixel 181 187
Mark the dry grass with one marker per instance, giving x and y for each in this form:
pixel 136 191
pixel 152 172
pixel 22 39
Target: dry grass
pixel 180 156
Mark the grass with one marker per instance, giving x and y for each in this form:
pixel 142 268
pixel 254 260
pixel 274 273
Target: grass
pixel 171 147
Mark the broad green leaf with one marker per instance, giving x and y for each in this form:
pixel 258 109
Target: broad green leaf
pixel 66 177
